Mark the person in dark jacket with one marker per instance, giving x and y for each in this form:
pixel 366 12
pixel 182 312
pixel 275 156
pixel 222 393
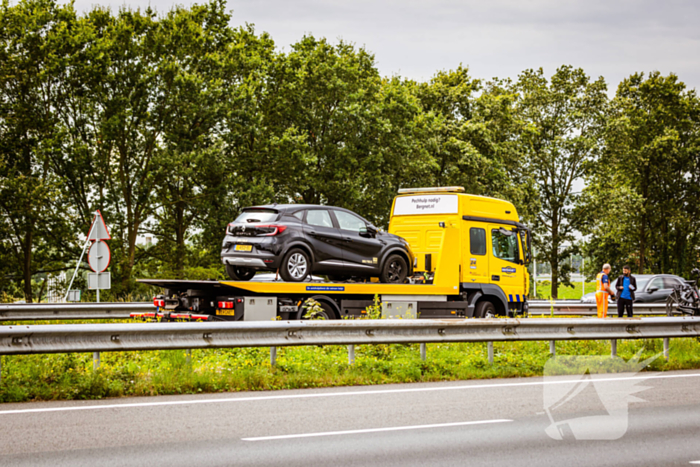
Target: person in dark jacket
pixel 626 285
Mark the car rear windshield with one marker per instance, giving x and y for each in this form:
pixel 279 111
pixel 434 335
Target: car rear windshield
pixel 257 215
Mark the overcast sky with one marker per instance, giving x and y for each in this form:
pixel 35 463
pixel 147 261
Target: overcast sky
pixel 499 38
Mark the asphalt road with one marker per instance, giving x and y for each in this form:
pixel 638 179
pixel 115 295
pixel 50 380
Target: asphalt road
pixel 494 422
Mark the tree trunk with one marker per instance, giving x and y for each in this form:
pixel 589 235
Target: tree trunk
pixel 642 246
pixel 180 240
pixel 554 264
pixel 27 264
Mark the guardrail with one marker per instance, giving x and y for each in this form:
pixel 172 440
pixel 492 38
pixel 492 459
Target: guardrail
pixel 70 311
pixel 51 338
pixel 589 309
pixel 122 310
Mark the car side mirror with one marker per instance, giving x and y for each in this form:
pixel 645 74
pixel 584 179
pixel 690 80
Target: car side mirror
pixel 368 231
pixel 652 290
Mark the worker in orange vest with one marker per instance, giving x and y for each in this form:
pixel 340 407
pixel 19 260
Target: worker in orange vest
pixel 602 291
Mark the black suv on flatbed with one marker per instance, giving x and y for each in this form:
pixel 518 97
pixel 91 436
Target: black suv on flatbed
pixel 299 239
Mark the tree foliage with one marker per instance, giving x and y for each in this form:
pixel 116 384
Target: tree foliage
pixel 170 123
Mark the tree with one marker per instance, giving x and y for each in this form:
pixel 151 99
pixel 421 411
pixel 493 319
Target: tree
pixel 562 121
pixel 32 49
pixel 649 171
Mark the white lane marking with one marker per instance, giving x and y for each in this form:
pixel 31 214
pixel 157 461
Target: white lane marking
pixel 695 462
pixel 375 430
pixel 327 394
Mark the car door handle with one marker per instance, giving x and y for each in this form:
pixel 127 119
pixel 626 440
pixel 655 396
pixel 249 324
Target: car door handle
pixel 347 239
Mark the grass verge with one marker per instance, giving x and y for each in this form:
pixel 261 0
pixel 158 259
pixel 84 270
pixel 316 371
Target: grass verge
pixel 70 376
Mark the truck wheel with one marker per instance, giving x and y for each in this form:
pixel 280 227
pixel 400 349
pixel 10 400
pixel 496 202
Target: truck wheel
pixel 239 273
pixel 296 265
pixel 394 270
pixel 327 312
pixel 484 309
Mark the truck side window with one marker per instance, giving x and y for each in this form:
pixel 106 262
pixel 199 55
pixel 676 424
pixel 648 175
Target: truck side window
pixel 477 241
pixel 505 246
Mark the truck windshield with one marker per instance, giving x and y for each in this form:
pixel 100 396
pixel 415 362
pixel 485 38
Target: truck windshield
pixel 258 215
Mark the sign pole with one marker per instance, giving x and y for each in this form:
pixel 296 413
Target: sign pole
pixel 98 287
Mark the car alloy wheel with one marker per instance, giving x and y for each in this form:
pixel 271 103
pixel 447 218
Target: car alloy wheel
pixel 395 270
pixel 296 266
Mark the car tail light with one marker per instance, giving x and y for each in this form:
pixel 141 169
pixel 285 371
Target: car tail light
pixel 228 229
pixel 224 305
pixel 158 302
pixel 276 229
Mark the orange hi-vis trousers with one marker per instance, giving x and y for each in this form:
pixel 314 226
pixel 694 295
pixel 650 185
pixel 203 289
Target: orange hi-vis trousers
pixel 601 301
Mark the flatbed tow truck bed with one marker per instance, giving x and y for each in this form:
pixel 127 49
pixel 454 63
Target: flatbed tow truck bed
pixel 445 297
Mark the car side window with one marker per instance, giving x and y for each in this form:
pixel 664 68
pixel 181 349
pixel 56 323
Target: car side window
pixel 299 215
pixel 477 241
pixel 657 283
pixel 319 217
pixel 504 246
pixel 348 221
pixel 670 282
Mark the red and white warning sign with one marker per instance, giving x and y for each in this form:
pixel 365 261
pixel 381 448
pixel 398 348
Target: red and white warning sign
pixel 98 229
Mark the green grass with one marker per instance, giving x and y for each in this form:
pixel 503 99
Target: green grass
pixel 544 290
pixel 71 376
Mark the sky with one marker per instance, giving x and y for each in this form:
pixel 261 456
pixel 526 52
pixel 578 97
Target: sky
pixel 494 38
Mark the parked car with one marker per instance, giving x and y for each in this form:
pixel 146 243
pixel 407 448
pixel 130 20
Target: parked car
pixel 651 288
pixel 303 239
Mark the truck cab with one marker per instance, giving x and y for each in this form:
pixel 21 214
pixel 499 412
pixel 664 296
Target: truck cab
pixel 493 246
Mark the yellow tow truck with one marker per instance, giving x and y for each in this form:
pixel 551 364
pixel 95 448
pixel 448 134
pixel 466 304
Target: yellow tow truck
pixel 471 254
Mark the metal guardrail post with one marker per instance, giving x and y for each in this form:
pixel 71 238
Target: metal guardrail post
pixel 613 347
pixel 553 348
pixel 351 354
pixel 95 360
pixel 423 351
pixel 188 356
pixel 667 344
pixel 273 356
pixel 490 351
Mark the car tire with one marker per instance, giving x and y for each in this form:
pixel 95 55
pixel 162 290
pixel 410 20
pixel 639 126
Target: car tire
pixel 394 270
pixel 484 309
pixel 239 273
pixel 296 266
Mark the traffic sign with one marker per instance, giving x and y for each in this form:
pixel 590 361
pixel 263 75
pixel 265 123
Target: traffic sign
pixel 73 296
pixel 99 281
pixel 98 229
pixel 99 256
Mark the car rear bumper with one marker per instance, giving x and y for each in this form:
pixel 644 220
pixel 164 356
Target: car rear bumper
pixel 247 262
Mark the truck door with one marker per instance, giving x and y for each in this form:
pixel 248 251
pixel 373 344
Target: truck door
pixel 475 260
pixel 506 265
